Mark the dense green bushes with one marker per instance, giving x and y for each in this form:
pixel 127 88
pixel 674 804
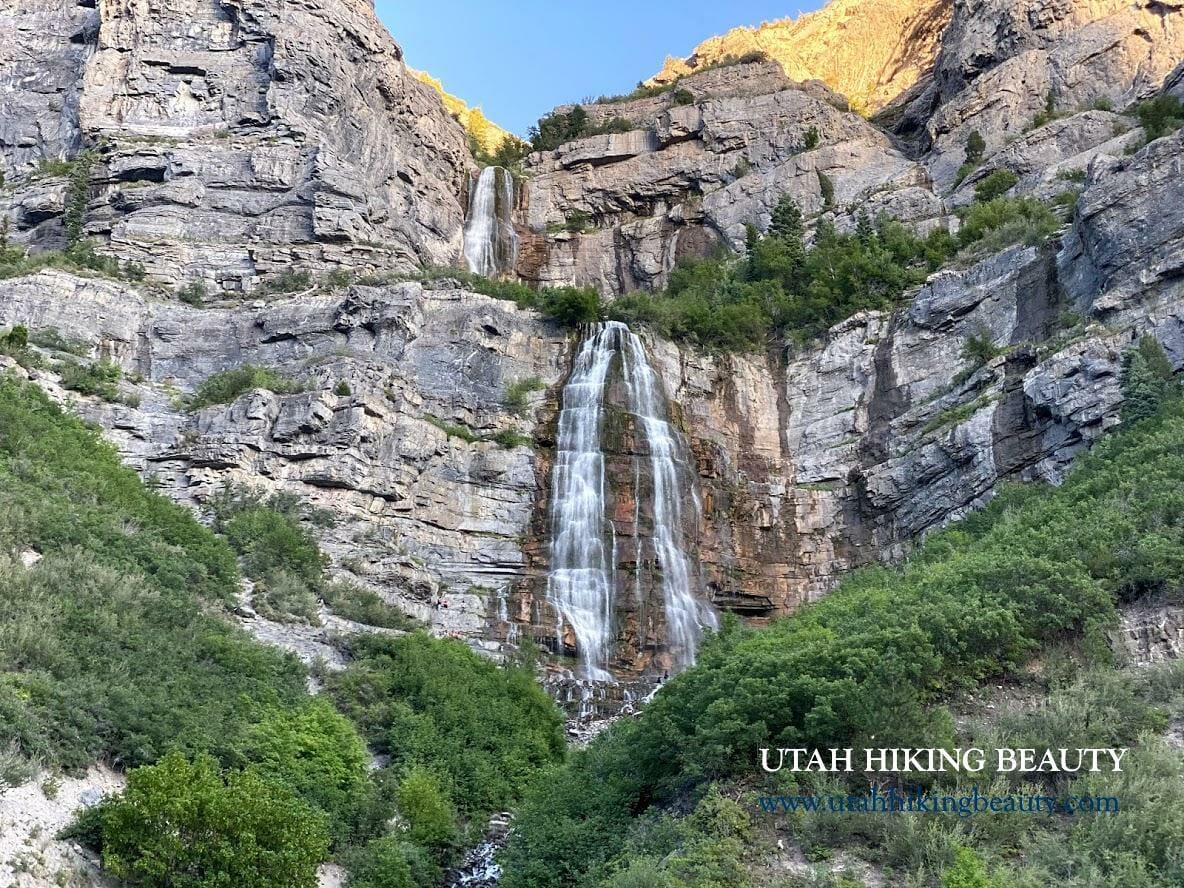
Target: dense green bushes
pixel 781 287
pixel 435 705
pixel 230 385
pixel 275 548
pixel 105 647
pixel 112 648
pixel 872 659
pixel 183 824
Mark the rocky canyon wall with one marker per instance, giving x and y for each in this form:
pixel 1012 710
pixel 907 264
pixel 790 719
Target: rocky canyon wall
pixel 228 139
pixel 258 138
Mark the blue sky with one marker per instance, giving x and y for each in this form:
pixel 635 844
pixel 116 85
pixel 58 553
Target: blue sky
pixel 520 59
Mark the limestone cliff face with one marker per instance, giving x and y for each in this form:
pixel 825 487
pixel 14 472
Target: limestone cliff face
pixel 870 52
pixel 690 177
pixel 1003 63
pixel 258 137
pixel 231 138
pixel 1040 80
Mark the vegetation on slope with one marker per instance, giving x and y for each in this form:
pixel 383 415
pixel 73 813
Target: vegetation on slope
pixel 116 646
pixel 871 665
pixel 782 287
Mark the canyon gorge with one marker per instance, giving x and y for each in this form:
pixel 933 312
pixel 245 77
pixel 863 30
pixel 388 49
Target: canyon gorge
pixel 236 152
pixel 273 187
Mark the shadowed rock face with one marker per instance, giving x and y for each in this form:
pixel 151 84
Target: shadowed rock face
pixel 233 138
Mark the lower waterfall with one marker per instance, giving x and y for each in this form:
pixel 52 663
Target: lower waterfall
pixel 582 581
pixel 491 243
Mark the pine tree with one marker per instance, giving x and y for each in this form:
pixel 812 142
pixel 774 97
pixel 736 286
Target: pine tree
pixel 865 230
pixel 787 220
pixel 1147 380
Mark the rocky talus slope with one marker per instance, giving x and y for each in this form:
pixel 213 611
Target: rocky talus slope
pixel 260 138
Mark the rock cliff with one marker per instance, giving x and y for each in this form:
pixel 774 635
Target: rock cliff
pixel 259 138
pixel 227 139
pixel 869 52
pixel 1039 80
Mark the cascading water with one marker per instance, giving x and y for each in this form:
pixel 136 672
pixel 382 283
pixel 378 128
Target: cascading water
pixel 581 579
pixel 491 243
pixel 685 617
pixel 582 582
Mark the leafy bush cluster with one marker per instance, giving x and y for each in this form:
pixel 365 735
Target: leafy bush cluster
pixel 158 833
pixel 112 648
pixel 230 385
pixel 876 658
pixel 106 650
pixel 561 127
pixel 275 548
pixel 781 287
pixel 1160 116
pixel 100 379
pixel 463 736
pixel 365 606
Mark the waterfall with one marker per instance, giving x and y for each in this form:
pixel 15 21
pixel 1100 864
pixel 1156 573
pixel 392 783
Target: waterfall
pixel 581 579
pixel 685 618
pixel 582 582
pixel 491 243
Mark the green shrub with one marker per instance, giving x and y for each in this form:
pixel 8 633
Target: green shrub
pixel 993 225
pixel 318 755
pixel 967 871
pixel 481 730
pixel 980 349
pixel 390 862
pixel 509 439
pixel 342 389
pixel 290 280
pixel 813 138
pixel 556 129
pixel 193 293
pixel 15 344
pixel 100 379
pixel 995 185
pixel 230 385
pixel 186 825
pixel 518 392
pixel 452 429
pixel 426 810
pixel 1160 116
pixel 275 549
pixel 351 602
pixel 572 306
pixel 683 97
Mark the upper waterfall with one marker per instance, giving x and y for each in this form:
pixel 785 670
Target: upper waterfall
pixel 491 243
pixel 583 581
